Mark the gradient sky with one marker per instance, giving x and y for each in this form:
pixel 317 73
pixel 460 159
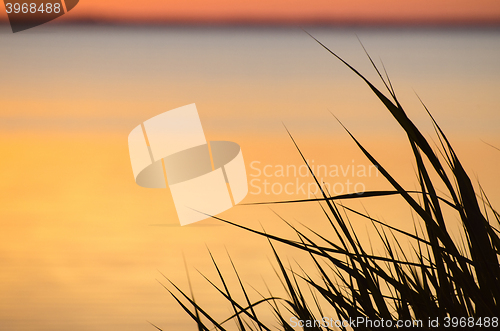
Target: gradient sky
pixel 288 11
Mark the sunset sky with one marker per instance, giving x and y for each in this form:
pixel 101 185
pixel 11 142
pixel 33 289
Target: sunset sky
pixel 288 11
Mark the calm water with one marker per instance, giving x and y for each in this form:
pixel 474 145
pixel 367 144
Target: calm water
pixel 81 245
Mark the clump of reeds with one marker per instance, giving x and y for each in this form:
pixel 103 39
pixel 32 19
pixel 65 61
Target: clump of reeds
pixel 442 278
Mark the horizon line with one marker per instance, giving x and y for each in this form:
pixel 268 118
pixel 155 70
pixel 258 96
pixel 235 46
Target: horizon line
pixel 279 23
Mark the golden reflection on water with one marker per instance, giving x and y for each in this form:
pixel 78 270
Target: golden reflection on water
pixel 81 245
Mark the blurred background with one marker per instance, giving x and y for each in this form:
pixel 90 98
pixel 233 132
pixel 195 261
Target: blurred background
pixel 81 245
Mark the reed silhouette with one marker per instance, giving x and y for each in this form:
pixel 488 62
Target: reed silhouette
pixel 441 278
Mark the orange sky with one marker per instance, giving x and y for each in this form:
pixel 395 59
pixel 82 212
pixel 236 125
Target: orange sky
pixel 301 11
